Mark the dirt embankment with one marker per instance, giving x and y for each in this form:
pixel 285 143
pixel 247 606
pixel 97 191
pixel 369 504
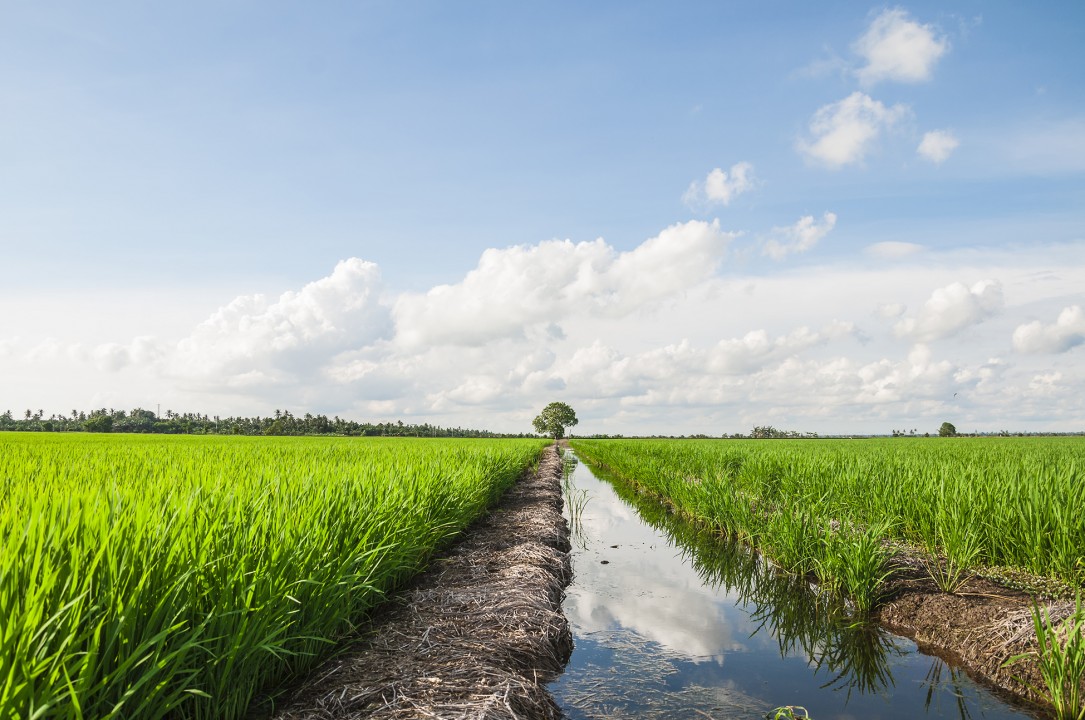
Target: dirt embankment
pixel 476 636
pixel 981 627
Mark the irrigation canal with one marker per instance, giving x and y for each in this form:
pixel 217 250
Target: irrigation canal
pixel 670 623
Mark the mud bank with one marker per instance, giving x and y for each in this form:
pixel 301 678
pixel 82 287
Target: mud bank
pixel 981 627
pixel 477 635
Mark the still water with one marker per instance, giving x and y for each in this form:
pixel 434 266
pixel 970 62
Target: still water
pixel 671 623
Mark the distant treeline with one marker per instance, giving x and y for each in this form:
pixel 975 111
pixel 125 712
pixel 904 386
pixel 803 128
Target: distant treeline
pixel 171 423
pixel 768 432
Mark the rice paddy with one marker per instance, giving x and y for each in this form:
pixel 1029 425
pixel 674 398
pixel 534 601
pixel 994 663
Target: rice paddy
pixel 826 507
pixel 849 513
pixel 174 576
pixel 151 576
pixel 684 623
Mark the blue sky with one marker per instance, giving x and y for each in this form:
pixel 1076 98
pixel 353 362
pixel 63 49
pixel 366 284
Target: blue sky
pixel 826 218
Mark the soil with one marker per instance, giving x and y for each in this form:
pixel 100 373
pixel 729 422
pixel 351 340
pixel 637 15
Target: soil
pixel 481 632
pixel 477 635
pixel 980 627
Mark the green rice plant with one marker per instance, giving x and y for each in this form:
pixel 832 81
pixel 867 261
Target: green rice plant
pixel 1061 659
pixel 1009 502
pixel 957 545
pixel 788 712
pixel 858 564
pixel 793 539
pixel 158 577
pixel 961 548
pixel 857 656
pixel 853 563
pixel 577 500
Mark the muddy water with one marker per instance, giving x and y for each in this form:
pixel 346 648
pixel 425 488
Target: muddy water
pixel 671 623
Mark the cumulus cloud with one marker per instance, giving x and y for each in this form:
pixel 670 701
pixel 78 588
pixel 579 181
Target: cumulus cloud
pixel 951 309
pixel 755 349
pixel 710 353
pixel 937 146
pixel 897 48
pixel 143 351
pixel 1067 332
pixel 892 250
pixel 799 237
pixel 1045 383
pixel 257 341
pixel 52 350
pixel 920 375
pixel 682 373
pixel 527 285
pixel 829 385
pixel 842 133
pixel 720 187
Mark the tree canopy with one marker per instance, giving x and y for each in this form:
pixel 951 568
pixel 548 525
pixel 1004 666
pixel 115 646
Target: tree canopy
pixel 553 420
pixel 947 430
pixel 283 422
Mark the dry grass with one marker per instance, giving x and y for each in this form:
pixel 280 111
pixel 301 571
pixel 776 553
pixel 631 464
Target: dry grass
pixel 476 636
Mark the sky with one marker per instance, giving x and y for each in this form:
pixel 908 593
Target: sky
pixel 678 218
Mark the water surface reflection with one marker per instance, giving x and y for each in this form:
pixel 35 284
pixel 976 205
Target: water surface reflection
pixel 672 622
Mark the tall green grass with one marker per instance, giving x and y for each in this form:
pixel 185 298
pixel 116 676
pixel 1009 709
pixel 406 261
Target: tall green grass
pixel 174 576
pixel 1060 656
pixel 823 506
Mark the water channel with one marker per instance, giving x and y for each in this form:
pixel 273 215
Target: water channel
pixel 671 623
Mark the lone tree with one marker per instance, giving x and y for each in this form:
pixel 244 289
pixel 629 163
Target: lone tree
pixel 947 430
pixel 553 420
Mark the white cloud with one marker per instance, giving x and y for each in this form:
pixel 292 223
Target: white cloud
pixel 712 352
pixel 253 340
pixel 756 350
pixel 842 133
pixel 527 285
pixel 937 146
pixel 720 187
pixel 682 373
pixel 892 250
pixel 897 48
pixel 1045 383
pixel 951 309
pixel 917 376
pixel 1067 332
pixel 112 357
pixel 799 237
pixel 890 310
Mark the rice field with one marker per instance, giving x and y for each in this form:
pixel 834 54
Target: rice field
pixel 175 576
pixel 826 506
